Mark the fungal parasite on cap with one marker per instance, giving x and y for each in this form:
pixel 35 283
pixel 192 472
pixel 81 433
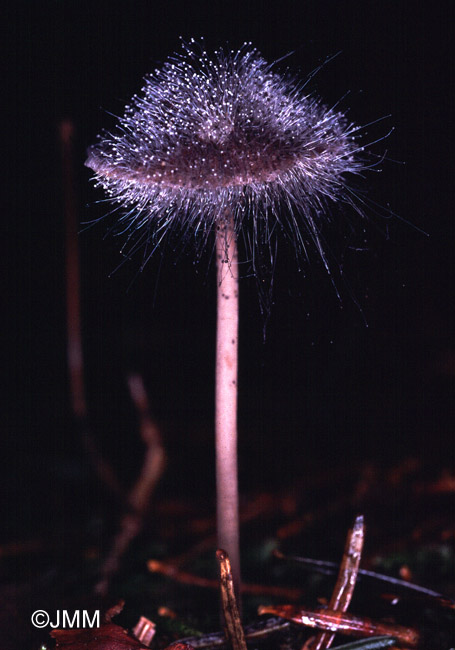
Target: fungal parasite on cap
pixel 226 145
pixel 226 134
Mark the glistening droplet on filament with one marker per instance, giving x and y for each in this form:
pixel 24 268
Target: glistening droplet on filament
pixel 227 134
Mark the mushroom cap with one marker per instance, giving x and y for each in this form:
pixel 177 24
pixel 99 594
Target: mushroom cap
pixel 226 133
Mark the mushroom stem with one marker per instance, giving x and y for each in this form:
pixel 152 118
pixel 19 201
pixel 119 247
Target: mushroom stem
pixel 226 395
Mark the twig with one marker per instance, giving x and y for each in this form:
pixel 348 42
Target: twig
pixel 368 480
pixel 375 643
pixel 296 526
pixel 329 568
pixel 73 316
pixel 184 577
pixel 155 457
pixel 234 629
pixel 114 611
pixel 257 506
pixel 347 577
pixel 445 484
pixel 26 547
pixel 342 623
pixel 139 497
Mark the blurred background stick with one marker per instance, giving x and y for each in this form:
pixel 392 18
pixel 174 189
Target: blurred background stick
pixel 73 315
pixel 142 490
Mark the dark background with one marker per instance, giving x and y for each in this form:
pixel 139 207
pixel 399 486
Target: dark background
pixel 323 388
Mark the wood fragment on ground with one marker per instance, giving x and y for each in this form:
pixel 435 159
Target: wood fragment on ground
pixel 185 577
pixel 144 631
pixel 234 630
pixel 346 581
pixel 343 623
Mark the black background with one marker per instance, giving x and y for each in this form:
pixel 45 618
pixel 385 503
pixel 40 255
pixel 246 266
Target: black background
pixel 323 387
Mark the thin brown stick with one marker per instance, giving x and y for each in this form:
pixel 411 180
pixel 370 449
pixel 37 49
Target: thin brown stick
pixel 155 458
pixel 257 506
pixel 234 630
pixel 73 315
pixel 26 547
pixel 73 311
pixel 342 623
pixel 346 581
pixel 187 578
pixel 226 394
pixel 139 496
pixel 312 517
